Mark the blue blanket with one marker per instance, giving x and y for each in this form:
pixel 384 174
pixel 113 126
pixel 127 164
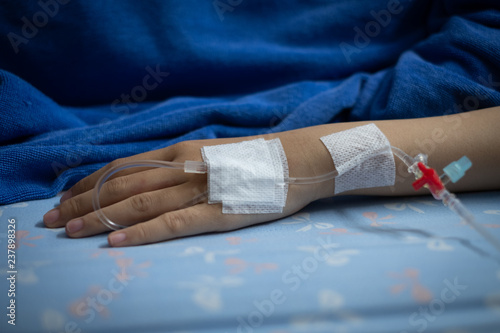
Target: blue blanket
pixel 82 84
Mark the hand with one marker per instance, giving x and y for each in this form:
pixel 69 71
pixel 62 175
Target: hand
pixel 156 202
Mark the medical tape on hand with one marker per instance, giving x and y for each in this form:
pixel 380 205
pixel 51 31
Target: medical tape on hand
pixel 247 177
pixel 363 158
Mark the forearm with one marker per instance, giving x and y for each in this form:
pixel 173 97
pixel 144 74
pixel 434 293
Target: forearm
pixel 444 139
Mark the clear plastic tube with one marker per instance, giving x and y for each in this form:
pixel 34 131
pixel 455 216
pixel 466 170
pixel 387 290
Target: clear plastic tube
pixel 456 206
pixel 96 203
pixel 404 157
pixel 312 180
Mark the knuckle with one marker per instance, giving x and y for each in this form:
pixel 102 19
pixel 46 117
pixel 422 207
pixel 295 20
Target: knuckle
pixel 82 186
pixel 74 206
pixel 174 223
pixel 141 202
pixel 116 186
pixel 142 233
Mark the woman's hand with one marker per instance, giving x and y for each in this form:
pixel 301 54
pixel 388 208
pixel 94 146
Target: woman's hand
pixel 157 203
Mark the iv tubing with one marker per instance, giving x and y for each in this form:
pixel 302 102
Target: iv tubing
pixel 456 206
pixel 104 177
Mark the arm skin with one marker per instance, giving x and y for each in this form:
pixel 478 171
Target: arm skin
pixel 157 197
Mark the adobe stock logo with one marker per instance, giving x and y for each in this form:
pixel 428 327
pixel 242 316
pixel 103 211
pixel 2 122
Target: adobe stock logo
pixel 427 315
pixel 294 277
pixel 139 93
pixel 48 9
pixel 222 7
pixel 372 29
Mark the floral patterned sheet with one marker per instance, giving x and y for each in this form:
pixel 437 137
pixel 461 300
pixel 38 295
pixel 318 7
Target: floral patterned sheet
pixel 352 264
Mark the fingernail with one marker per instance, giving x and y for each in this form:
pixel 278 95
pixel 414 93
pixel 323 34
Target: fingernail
pixel 117 238
pixel 74 225
pixel 66 196
pixel 51 216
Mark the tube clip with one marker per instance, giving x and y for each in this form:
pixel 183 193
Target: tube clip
pixel 430 179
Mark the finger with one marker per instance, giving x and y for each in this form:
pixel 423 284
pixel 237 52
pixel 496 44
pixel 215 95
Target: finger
pixel 197 219
pixel 113 191
pixel 193 220
pixel 141 207
pixel 89 182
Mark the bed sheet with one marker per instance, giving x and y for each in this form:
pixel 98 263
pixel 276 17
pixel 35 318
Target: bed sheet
pixel 346 264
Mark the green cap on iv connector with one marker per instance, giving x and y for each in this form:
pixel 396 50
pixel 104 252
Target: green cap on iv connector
pixel 456 170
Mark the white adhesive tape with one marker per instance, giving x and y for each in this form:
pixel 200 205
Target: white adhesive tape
pixel 247 177
pixel 363 158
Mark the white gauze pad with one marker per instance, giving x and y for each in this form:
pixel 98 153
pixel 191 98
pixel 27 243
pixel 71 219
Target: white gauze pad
pixel 363 158
pixel 247 177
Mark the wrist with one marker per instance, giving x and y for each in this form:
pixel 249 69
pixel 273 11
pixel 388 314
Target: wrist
pixel 308 157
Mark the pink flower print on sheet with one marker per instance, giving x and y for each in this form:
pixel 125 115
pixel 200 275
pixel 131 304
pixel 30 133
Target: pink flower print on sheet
pixel 95 299
pixel 238 265
pixel 110 252
pixel 410 277
pixel 22 238
pixel 128 271
pixel 238 240
pixel 340 231
pixel 377 221
pixel 305 218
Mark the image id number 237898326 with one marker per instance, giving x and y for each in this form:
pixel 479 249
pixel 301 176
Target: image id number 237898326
pixel 11 271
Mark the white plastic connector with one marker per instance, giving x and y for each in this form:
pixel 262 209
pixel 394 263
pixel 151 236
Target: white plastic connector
pixel 195 167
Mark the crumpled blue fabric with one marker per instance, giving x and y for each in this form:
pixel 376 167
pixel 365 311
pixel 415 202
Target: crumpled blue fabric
pixel 84 83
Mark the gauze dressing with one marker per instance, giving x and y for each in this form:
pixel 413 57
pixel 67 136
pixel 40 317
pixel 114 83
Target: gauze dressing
pixel 363 158
pixel 247 177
